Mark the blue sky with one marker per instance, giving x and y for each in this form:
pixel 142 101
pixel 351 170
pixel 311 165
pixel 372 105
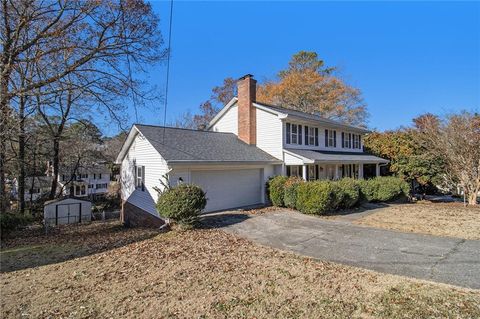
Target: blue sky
pixel 406 57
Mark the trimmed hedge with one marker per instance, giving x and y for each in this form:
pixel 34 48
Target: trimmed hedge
pixel 182 203
pixel 290 191
pixel 319 197
pixel 276 190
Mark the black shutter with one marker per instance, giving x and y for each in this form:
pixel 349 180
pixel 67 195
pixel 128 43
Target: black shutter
pixel 300 135
pixel 334 138
pixel 316 136
pixel 350 139
pixel 288 133
pixel 143 178
pixel 343 139
pixel 306 135
pixel 326 138
pixel 359 141
pixel 316 172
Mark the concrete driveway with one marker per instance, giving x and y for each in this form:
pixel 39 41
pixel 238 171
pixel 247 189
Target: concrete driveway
pixel 441 259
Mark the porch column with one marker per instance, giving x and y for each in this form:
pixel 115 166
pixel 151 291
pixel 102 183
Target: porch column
pixel 360 171
pixel 377 170
pixel 337 176
pixel 304 172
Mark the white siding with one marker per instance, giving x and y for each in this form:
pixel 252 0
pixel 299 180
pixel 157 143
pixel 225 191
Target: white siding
pixel 228 122
pixel 292 160
pixel 142 153
pixel 269 133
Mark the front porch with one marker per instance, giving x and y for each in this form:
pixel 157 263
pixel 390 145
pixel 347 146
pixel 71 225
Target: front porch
pixel 316 171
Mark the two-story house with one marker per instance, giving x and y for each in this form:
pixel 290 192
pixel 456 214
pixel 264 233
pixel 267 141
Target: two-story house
pixel 91 182
pixel 246 143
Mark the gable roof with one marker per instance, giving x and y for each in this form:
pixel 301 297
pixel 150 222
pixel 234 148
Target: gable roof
pixel 177 145
pixel 288 113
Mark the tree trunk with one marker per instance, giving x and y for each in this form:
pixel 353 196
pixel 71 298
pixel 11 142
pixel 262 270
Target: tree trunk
pixel 21 156
pixel 472 198
pixel 56 161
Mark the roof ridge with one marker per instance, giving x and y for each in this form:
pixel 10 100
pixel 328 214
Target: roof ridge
pixel 180 128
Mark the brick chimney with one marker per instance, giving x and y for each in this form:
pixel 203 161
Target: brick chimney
pixel 247 118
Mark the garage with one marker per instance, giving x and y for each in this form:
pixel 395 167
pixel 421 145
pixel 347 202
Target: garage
pixel 229 188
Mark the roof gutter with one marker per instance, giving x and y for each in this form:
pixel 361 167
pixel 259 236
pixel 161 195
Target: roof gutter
pixel 210 162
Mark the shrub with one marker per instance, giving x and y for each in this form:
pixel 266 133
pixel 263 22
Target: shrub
pixel 315 197
pixel 276 190
pixel 182 203
pixel 347 193
pixel 290 191
pixel 10 222
pixel 382 189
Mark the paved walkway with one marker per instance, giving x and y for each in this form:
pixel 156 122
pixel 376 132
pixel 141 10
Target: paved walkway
pixel 448 260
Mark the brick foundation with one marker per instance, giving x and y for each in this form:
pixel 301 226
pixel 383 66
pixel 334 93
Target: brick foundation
pixel 132 216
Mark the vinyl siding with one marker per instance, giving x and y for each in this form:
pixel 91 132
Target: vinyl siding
pixel 142 153
pixel 228 122
pixel 269 133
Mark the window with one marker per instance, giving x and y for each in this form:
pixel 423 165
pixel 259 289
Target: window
pixel 80 190
pixel 100 186
pixel 312 172
pixel 90 185
pixel 347 140
pixel 311 136
pixel 294 134
pixel 356 141
pixel 140 177
pixel 330 138
pixel 100 176
pixel 294 171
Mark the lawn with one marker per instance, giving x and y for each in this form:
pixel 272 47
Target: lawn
pixel 440 219
pixel 105 271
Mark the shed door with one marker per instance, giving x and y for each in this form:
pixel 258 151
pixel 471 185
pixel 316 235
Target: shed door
pixel 229 188
pixel 68 213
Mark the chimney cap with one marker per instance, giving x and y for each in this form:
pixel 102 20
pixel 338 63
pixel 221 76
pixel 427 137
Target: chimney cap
pixel 245 76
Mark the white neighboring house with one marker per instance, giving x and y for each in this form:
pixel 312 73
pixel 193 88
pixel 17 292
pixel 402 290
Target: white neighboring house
pixel 91 182
pixel 246 143
pixel 35 187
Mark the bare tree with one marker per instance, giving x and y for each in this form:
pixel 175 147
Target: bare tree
pixel 456 141
pixel 91 45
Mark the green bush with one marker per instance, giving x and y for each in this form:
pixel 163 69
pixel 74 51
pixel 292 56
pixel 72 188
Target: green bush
pixel 382 189
pixel 315 197
pixel 290 191
pixel 182 203
pixel 276 190
pixel 347 193
pixel 10 222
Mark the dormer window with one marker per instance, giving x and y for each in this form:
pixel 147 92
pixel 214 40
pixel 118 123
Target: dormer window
pixel 294 134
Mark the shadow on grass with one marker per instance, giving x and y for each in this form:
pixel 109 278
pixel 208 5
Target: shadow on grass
pixel 33 248
pixel 220 220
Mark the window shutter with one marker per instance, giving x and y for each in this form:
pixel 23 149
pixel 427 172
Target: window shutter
pixel 359 141
pixel 326 138
pixel 143 178
pixel 334 138
pixel 306 135
pixel 300 134
pixel 316 172
pixel 288 133
pixel 350 140
pixel 316 136
pixel 343 139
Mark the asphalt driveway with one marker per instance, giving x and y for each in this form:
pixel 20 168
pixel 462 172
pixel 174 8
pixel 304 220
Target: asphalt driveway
pixel 441 259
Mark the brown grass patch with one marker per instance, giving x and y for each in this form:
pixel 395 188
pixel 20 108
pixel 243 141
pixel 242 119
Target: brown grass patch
pixel 440 219
pixel 209 274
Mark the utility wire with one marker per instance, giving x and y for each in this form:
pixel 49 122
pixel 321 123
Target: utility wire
pixel 168 70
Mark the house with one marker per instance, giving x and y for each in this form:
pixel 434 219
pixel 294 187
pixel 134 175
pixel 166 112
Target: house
pixel 91 181
pixel 35 187
pixel 245 144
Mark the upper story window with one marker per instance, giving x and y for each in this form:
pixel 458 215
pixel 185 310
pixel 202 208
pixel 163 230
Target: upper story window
pixel 346 140
pixel 294 134
pixel 330 138
pixel 311 135
pixel 140 177
pixel 356 141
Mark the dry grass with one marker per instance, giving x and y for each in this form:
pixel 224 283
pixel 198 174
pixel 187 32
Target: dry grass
pixel 116 273
pixel 440 219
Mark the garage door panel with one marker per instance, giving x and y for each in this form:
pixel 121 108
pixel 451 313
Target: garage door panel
pixel 229 188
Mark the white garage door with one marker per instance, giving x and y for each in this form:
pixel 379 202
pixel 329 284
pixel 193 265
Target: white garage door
pixel 229 188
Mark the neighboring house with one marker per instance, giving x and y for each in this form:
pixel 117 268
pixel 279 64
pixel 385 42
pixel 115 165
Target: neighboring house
pixel 35 187
pixel 246 143
pixel 91 182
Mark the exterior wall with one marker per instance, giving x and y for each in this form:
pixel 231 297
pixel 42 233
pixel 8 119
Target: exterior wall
pixel 228 122
pixel 50 210
pixel 292 160
pixel 269 133
pixel 142 153
pixel 91 180
pixel 321 139
pixel 132 216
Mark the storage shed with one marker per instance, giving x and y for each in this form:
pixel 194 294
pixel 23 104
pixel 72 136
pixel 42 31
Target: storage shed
pixel 67 211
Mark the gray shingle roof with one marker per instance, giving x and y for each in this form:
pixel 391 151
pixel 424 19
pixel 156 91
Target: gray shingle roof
pixel 184 145
pixel 329 156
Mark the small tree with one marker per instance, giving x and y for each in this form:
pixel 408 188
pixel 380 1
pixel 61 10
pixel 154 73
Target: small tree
pixel 456 140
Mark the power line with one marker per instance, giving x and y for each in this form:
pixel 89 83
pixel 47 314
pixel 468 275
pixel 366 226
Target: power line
pixel 168 70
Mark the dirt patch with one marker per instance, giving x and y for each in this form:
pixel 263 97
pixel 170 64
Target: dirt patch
pixel 208 273
pixel 440 219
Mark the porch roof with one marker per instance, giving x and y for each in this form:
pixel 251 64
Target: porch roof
pixel 314 156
